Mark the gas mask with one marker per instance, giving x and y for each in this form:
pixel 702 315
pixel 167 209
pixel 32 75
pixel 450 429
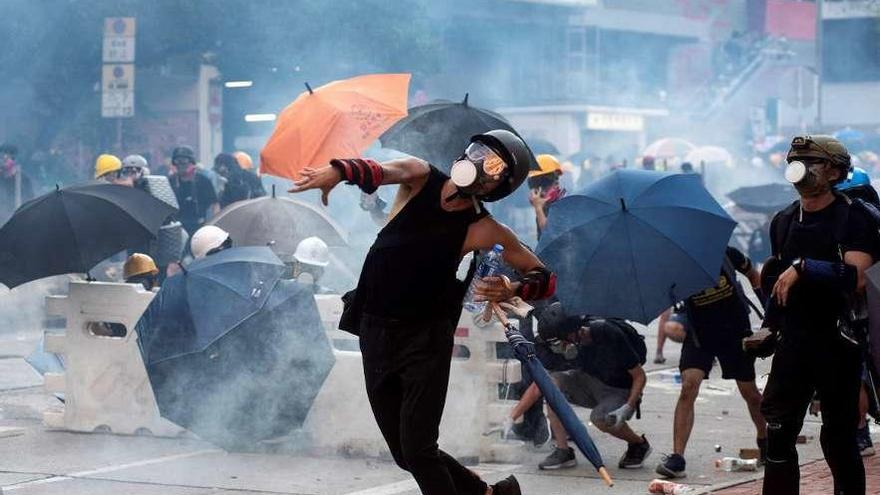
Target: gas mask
pixel 809 179
pixel 478 166
pixel 564 348
pixel 555 193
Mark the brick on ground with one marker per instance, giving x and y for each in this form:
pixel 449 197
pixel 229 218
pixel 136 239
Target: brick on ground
pixel 815 480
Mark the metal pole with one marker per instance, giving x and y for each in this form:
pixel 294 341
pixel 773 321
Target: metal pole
pixel 819 62
pixel 17 186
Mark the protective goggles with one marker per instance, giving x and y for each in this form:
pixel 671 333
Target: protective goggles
pixel 477 165
pixel 181 161
pixel 125 172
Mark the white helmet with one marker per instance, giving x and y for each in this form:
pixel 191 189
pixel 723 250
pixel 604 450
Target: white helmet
pixel 207 238
pixel 135 161
pixel 312 251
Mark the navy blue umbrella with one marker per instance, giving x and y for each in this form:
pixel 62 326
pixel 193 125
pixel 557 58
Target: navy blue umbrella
pixel 525 352
pixel 634 242
pixel 234 353
pixel 210 297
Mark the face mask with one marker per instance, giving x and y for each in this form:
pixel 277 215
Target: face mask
pixel 9 166
pixel 555 193
pixel 810 181
pixel 478 166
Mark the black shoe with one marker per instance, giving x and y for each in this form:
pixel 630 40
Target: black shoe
pixel 559 459
pixel 635 455
pixel 507 486
pixel 542 433
pixel 673 466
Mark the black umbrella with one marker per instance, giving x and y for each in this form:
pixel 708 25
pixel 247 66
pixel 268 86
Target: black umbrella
pixel 766 198
pixel 542 146
pixel 234 353
pixel 71 229
pixel 278 222
pixel 439 132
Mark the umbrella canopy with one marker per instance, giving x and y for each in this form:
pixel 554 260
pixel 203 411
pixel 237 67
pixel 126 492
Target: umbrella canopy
pixel 337 120
pixel 439 132
pixel 634 242
pixel 212 296
pixel 71 229
pixel 280 223
pixel 853 139
pixel 257 381
pixel 766 198
pixel 669 148
pixel 709 155
pixel 542 147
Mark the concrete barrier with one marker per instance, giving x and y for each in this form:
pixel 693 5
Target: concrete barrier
pixel 105 382
pixel 106 386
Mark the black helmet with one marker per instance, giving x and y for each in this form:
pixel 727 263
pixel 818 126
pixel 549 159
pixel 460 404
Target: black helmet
pixel 515 153
pixel 823 148
pixel 553 323
pixel 183 152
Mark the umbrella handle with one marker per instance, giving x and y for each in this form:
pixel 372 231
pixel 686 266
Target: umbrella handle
pixel 603 473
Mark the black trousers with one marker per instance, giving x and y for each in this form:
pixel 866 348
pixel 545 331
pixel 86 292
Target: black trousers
pixel 832 367
pixel 406 367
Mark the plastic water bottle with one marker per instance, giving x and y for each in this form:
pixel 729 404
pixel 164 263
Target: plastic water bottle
pixel 488 267
pixel 736 464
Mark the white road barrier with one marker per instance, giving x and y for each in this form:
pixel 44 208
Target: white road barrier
pixel 106 386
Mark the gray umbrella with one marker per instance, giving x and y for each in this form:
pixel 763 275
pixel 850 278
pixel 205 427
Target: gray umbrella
pixel 278 222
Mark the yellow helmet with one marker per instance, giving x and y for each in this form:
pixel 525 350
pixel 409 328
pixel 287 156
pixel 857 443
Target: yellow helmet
pixel 548 164
pixel 139 264
pixel 106 164
pixel 244 160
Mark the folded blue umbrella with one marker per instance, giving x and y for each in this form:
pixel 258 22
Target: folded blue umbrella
pixel 634 242
pixel 525 352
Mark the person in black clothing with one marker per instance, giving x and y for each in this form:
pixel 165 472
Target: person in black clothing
pixel 608 378
pixel 408 300
pixel 821 247
pixel 711 326
pixel 240 184
pixel 195 193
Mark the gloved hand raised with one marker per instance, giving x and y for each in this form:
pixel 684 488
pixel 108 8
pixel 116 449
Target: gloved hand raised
pixel 616 417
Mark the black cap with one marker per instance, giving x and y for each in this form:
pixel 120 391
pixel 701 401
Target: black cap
pixel 553 323
pixel 183 152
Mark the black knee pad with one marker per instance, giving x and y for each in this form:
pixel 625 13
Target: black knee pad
pixel 781 442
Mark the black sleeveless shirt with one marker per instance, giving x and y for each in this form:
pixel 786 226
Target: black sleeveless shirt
pixel 410 271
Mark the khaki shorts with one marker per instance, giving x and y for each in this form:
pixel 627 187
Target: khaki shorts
pixel 588 391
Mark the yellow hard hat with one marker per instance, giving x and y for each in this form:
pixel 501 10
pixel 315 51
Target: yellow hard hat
pixel 548 164
pixel 106 164
pixel 244 160
pixel 139 264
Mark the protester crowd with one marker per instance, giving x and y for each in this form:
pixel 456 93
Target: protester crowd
pixel 810 294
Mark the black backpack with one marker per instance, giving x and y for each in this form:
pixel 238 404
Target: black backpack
pixel 636 340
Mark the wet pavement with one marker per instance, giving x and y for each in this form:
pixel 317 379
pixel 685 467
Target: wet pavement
pixel 35 460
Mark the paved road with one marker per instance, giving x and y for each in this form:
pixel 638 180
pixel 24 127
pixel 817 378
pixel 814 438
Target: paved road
pixel 34 460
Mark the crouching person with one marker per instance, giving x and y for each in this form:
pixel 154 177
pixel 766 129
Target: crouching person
pixel 608 379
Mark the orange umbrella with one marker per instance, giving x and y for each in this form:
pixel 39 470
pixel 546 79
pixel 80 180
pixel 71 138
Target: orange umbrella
pixel 338 120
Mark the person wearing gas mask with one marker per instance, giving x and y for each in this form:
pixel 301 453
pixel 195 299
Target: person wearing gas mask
pixel 311 258
pixel 408 300
pixel 195 193
pixel 240 184
pixel 544 188
pixel 607 378
pixel 821 247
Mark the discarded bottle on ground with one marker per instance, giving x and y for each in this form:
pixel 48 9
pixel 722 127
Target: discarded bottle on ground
pixel 488 267
pixel 663 487
pixel 736 464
